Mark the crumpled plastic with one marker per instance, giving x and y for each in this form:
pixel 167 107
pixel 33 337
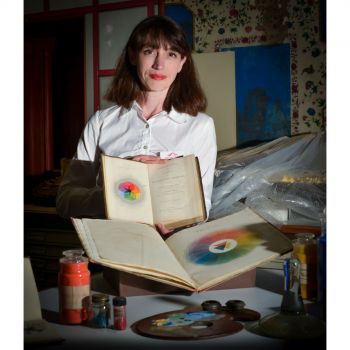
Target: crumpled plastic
pixel 283 180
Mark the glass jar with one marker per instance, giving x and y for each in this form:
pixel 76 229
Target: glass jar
pixel 119 312
pixel 73 286
pixel 305 250
pixel 100 311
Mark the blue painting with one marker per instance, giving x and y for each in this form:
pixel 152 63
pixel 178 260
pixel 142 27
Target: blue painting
pixel 184 17
pixel 263 95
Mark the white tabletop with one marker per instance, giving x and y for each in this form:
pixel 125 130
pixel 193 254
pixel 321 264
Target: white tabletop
pixel 138 307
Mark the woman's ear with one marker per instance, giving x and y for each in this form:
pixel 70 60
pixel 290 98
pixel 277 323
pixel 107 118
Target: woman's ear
pixel 132 56
pixel 182 62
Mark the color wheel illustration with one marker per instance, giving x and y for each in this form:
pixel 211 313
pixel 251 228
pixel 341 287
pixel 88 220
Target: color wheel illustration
pixel 222 246
pixel 129 191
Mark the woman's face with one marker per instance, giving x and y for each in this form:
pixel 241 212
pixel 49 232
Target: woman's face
pixel 157 68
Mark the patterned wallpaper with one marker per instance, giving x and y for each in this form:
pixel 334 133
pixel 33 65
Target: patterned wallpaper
pixel 221 24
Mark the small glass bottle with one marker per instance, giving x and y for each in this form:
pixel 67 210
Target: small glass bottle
pixel 74 286
pixel 101 312
pixel 119 312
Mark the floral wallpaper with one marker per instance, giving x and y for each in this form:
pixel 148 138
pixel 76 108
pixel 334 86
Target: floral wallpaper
pixel 224 24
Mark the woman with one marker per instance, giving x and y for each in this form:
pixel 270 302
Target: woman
pixel 158 112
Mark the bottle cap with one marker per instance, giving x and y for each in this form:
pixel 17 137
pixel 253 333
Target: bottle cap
pixel 100 298
pixel 119 301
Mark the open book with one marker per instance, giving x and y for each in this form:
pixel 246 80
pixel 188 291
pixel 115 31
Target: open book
pixel 169 193
pixel 196 258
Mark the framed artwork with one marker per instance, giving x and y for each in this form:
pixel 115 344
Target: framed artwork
pixel 263 94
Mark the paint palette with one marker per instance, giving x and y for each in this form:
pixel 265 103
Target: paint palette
pixel 194 323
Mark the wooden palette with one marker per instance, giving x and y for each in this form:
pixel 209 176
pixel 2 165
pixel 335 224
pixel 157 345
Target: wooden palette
pixel 192 323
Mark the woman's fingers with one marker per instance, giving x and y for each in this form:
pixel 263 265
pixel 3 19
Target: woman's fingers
pixel 149 159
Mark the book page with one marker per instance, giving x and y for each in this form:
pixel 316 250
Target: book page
pixel 127 192
pixel 176 191
pixel 132 246
pixel 215 251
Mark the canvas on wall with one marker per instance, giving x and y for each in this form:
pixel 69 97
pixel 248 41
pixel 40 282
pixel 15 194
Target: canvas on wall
pixel 263 101
pixel 217 77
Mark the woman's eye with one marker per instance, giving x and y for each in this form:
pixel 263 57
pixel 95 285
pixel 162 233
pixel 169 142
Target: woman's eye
pixel 147 51
pixel 173 54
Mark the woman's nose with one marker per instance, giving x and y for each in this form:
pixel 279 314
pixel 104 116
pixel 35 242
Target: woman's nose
pixel 158 62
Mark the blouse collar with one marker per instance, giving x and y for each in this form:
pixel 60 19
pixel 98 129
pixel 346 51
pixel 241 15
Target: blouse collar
pixel 174 115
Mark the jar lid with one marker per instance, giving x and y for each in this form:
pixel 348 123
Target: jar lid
pixel 119 301
pixel 73 256
pixel 210 305
pixel 235 304
pixel 100 298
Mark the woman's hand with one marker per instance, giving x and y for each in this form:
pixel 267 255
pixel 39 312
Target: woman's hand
pixel 149 159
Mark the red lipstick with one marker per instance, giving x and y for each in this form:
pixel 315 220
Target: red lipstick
pixel 157 76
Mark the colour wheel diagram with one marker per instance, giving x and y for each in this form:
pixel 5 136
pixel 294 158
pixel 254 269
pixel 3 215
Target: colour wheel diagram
pixel 222 246
pixel 129 191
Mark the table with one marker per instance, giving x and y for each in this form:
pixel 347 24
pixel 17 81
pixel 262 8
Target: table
pixel 265 298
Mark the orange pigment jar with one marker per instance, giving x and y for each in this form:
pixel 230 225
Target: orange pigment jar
pixel 74 287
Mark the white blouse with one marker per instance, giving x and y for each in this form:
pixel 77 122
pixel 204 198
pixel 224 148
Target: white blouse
pixel 122 132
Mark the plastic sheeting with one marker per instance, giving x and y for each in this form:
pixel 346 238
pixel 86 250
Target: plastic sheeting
pixel 283 180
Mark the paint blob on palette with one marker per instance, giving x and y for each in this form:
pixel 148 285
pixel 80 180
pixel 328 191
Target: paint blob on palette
pixel 186 318
pixel 129 191
pixel 222 246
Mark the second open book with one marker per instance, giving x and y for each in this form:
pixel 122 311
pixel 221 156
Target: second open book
pixel 195 258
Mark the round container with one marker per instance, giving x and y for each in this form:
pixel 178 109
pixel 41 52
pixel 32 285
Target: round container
pixel 235 305
pixel 305 250
pixel 211 305
pixel 101 311
pixel 74 287
pixel 119 312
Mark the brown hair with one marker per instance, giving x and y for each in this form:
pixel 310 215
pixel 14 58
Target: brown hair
pixel 185 94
